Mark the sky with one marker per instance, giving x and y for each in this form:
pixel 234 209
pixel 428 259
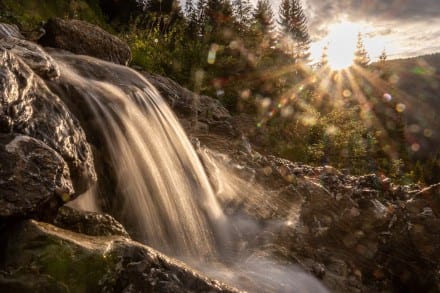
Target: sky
pixel 404 28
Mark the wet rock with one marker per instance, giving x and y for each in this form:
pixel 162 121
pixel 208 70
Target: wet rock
pixel 33 55
pixel 431 198
pixel 53 258
pixel 29 108
pixel 34 179
pixel 83 38
pixel 10 30
pixel 89 223
pixel 356 233
pixel 222 128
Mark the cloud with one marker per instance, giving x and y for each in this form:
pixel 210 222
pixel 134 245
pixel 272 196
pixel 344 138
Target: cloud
pixel 413 26
pixel 374 9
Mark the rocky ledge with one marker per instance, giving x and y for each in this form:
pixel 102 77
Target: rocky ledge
pixel 39 257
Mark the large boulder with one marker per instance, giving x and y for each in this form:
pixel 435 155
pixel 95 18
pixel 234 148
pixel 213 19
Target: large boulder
pixel 83 38
pixel 28 107
pixel 40 257
pixel 34 179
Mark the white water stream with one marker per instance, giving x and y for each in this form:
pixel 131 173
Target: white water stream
pixel 166 197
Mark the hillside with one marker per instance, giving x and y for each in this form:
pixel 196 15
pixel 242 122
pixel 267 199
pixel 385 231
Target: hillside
pixel 418 82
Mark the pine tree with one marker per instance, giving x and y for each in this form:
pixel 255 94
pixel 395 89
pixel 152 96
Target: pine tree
pixel 293 23
pixel 199 17
pixel 191 19
pixel 263 24
pixel 383 56
pixel 361 57
pixel 384 70
pixel 323 63
pixel 243 14
pixel 219 18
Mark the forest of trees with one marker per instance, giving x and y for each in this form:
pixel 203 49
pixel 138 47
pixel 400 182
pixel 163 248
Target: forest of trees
pixel 257 61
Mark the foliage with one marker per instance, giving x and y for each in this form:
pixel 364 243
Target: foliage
pixel 293 22
pixel 229 49
pixel 29 14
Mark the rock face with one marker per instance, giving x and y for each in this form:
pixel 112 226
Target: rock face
pixel 29 108
pixel 83 38
pixel 89 223
pixel 34 179
pixel 40 257
pixel 198 113
pixel 355 233
pixel 33 55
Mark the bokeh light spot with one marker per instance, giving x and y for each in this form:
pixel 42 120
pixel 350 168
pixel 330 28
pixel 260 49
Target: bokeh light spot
pixel 346 93
pixel 415 147
pixel 427 132
pixel 287 111
pixel 400 107
pixel 414 128
pixel 387 97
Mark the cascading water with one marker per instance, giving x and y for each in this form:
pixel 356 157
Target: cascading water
pixel 167 200
pixel 166 194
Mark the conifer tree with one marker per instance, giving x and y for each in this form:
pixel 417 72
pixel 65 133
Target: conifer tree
pixel 361 57
pixel 192 19
pixel 293 23
pixel 383 56
pixel 219 18
pixel 382 65
pixel 264 24
pixel 324 57
pixel 243 14
pixel 199 17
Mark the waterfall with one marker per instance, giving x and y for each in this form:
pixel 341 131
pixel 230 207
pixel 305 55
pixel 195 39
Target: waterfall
pixel 161 191
pixel 166 195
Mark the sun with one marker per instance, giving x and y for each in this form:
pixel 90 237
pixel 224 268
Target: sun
pixel 341 41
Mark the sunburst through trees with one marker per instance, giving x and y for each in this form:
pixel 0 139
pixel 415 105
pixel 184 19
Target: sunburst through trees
pixel 341 110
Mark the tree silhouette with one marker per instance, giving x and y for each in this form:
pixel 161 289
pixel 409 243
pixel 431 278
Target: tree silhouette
pixel 361 57
pixel 243 13
pixel 324 57
pixel 293 24
pixel 263 25
pixel 383 56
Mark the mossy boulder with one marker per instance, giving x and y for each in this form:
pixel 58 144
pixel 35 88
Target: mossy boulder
pixel 57 260
pixel 83 38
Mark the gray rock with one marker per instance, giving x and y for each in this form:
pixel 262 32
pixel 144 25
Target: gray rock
pixel 89 223
pixel 192 106
pixel 34 179
pixel 83 38
pixel 57 259
pixel 28 107
pixel 33 55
